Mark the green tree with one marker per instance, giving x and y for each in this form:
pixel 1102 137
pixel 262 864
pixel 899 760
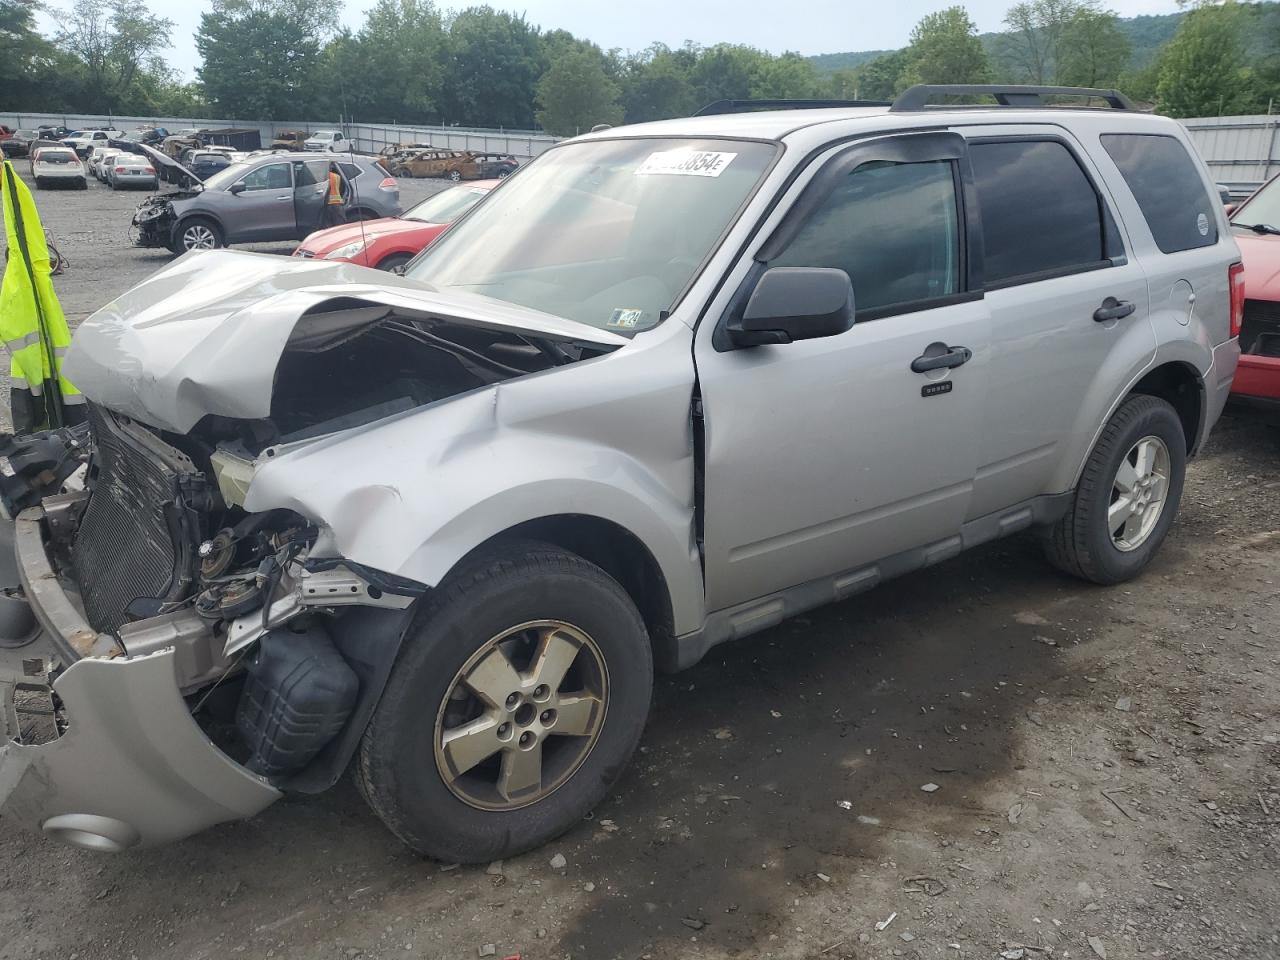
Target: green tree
pixel 1203 72
pixel 884 77
pixel 112 44
pixel 394 68
pixel 656 85
pixel 945 48
pixel 26 58
pixel 576 93
pixel 1092 50
pixel 494 64
pixel 788 77
pixel 1030 45
pixel 261 56
pixel 724 72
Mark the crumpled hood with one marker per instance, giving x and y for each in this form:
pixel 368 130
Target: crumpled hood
pixel 204 334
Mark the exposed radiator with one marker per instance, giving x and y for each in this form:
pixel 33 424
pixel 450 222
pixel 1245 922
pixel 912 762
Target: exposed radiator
pixel 133 540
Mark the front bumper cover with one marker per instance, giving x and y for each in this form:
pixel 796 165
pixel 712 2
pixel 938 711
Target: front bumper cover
pixel 133 767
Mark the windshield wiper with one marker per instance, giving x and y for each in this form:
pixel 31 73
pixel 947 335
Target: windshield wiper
pixel 1263 228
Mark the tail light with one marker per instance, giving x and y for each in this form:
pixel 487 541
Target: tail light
pixel 148 169
pixel 388 183
pixel 120 169
pixel 1235 277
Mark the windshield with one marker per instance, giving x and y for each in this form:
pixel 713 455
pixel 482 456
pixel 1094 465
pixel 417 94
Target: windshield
pixel 446 207
pixel 226 176
pixel 605 232
pixel 1262 208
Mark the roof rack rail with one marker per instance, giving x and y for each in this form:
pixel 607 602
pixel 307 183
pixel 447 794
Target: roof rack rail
pixel 922 95
pixel 747 106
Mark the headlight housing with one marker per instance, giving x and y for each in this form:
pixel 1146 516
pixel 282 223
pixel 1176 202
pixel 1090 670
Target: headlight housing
pixel 346 251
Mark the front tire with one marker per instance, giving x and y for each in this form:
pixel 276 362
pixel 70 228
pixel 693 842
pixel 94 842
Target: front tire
pixel 198 233
pixel 455 175
pixel 393 261
pixel 1128 495
pixel 516 701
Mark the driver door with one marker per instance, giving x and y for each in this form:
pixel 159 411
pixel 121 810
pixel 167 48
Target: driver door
pixel 311 186
pixel 262 206
pixel 831 463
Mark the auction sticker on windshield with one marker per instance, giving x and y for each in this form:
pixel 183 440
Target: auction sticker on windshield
pixel 686 163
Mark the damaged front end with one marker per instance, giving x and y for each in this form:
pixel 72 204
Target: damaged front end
pixel 153 219
pixel 204 657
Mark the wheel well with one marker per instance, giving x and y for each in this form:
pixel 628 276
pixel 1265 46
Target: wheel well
pixel 617 552
pixel 1182 387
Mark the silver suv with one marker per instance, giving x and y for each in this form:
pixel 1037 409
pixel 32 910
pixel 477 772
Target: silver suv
pixel 668 386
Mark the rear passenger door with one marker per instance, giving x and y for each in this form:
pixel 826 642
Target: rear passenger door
pixel 1069 309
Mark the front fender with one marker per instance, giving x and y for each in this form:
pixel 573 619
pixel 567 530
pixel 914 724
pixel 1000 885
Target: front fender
pixel 609 438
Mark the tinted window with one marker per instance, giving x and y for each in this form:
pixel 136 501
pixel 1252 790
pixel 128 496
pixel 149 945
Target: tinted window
pixel 1165 182
pixel 1039 211
pixel 892 227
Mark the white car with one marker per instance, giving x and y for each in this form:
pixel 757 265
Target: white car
pixel 105 160
pixel 58 165
pixel 130 170
pixel 326 141
pixel 94 162
pixel 82 142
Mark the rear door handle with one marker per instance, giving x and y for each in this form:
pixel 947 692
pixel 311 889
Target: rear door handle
pixel 1113 309
pixel 938 355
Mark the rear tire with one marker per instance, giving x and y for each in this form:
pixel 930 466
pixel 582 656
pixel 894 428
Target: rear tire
pixel 1109 534
pixel 506 619
pixel 455 175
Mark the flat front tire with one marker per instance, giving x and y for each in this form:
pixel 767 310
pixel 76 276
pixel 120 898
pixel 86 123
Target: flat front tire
pixel 516 702
pixel 1128 495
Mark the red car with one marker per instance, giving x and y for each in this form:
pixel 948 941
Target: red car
pixel 1256 224
pixel 394 241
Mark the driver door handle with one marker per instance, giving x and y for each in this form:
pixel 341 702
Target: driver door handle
pixel 1113 309
pixel 938 355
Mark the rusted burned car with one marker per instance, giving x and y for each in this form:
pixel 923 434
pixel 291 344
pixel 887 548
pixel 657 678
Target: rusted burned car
pixel 289 140
pixel 452 164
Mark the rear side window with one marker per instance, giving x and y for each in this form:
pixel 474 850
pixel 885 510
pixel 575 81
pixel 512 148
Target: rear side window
pixel 893 228
pixel 1041 215
pixel 1166 183
pixel 351 170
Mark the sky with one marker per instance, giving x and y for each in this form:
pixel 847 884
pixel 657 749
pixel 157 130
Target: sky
pixel 807 26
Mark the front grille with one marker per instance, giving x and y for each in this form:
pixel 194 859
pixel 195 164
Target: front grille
pixel 131 542
pixel 1260 334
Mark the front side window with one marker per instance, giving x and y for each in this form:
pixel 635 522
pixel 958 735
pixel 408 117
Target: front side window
pixel 1164 180
pixel 274 176
pixel 1040 213
pixel 893 228
pixel 605 232
pixel 446 207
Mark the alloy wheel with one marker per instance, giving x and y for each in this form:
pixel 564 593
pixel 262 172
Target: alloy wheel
pixel 199 237
pixel 1138 493
pixel 521 715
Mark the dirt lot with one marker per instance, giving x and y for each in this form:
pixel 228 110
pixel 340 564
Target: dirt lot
pixel 1106 762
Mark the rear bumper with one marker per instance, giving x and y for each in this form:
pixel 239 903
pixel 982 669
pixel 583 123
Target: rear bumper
pixel 132 768
pixel 1257 377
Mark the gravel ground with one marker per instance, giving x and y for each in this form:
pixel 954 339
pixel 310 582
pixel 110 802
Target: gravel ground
pixel 1107 764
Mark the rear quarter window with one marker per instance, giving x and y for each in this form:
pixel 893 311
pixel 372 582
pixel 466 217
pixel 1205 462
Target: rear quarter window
pixel 1167 185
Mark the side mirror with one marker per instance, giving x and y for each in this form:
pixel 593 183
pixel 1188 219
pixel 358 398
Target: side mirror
pixel 237 189
pixel 795 303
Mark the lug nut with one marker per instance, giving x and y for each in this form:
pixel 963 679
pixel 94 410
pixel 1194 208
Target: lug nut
pixel 526 739
pixel 548 717
pixel 541 692
pixel 504 731
pixel 512 700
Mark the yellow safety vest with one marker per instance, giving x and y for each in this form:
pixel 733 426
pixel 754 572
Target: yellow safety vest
pixel 26 297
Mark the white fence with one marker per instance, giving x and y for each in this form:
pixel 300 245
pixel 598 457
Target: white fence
pixel 368 138
pixel 1242 152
